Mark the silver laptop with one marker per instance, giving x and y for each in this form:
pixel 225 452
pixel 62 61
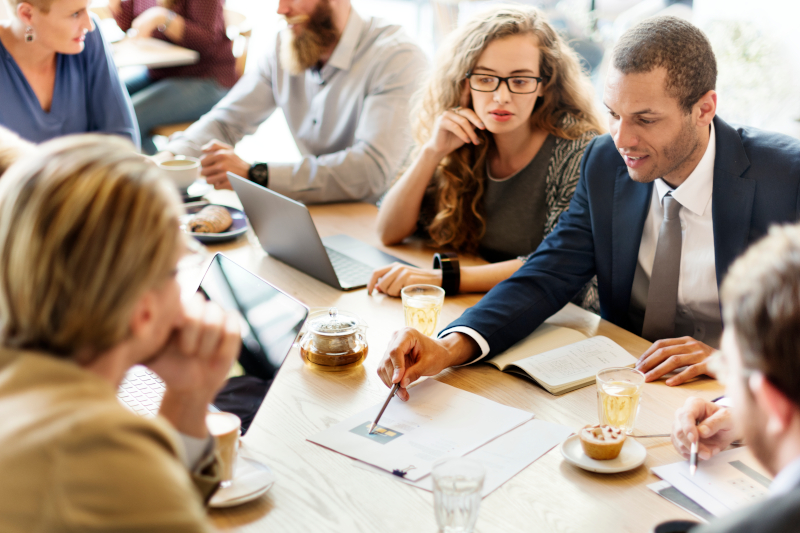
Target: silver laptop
pixel 286 232
pixel 271 323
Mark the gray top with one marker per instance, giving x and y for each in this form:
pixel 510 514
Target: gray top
pixel 348 119
pixel 516 209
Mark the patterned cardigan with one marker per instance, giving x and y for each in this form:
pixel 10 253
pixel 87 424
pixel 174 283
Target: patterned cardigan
pixel 563 172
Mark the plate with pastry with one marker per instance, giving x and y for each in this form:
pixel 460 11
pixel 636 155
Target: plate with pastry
pixel 212 223
pixel 603 449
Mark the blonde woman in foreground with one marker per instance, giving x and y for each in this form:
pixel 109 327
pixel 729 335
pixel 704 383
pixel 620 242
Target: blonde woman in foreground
pixel 500 129
pixel 89 246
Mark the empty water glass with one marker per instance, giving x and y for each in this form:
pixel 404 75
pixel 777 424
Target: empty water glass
pixel 457 488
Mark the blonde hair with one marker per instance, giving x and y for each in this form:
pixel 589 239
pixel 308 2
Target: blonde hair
pixel 86 227
pixel 42 5
pixel 12 148
pixel 566 109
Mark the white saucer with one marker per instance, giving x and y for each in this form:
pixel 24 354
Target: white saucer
pixel 252 479
pixel 632 456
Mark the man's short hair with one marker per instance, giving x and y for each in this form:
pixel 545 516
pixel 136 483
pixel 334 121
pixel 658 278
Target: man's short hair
pixel 676 45
pixel 761 300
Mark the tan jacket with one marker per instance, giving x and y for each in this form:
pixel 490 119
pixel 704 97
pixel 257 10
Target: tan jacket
pixel 72 458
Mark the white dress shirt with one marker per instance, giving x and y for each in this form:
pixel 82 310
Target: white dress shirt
pixel 349 119
pixel 787 479
pixel 698 312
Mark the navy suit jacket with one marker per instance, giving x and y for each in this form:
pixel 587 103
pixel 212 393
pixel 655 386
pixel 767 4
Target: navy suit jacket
pixel 756 184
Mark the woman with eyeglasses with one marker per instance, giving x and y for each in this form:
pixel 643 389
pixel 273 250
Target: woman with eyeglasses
pixel 500 129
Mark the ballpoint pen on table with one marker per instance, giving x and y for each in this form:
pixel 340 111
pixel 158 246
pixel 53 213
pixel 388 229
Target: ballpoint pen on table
pixel 386 403
pixel 693 459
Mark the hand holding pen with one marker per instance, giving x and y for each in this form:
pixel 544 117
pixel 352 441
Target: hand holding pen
pixel 704 425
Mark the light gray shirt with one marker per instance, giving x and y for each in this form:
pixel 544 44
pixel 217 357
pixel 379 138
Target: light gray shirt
pixel 350 119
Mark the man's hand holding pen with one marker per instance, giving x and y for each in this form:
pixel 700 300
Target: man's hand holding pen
pixel 708 424
pixel 411 355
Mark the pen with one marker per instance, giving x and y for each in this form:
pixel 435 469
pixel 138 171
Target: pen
pixel 693 459
pixel 386 403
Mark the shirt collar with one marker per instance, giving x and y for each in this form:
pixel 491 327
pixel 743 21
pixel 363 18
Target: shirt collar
pixel 787 479
pixel 695 193
pixel 342 56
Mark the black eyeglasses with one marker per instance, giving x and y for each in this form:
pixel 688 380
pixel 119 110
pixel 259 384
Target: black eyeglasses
pixel 516 84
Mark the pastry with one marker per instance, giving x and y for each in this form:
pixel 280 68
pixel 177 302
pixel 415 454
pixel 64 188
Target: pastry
pixel 211 219
pixel 602 442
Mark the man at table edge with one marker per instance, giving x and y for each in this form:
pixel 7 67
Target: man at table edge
pixel 666 150
pixel 343 83
pixel 760 367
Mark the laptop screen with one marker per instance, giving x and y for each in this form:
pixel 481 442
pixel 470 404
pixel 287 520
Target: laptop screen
pixel 271 320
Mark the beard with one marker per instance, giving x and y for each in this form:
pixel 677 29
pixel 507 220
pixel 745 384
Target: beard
pixel 676 154
pixel 302 51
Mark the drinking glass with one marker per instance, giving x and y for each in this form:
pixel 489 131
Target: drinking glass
pixel 618 397
pixel 422 305
pixel 457 487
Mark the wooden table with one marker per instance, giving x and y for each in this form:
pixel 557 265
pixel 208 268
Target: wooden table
pixel 320 490
pixel 152 53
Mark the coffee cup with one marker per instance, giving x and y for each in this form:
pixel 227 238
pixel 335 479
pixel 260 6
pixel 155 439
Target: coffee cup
pixel 183 171
pixel 225 428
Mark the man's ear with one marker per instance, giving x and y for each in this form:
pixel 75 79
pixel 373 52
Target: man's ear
pixel 142 318
pixel 706 109
pixel 779 410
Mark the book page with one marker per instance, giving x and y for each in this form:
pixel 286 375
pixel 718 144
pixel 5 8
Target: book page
pixel 543 339
pixel 576 362
pixel 437 421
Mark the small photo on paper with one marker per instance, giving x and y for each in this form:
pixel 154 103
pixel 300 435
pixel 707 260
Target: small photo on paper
pixel 381 435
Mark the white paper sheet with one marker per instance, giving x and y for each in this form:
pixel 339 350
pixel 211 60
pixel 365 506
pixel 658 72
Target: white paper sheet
pixel 504 457
pixel 730 480
pixel 668 492
pixel 438 421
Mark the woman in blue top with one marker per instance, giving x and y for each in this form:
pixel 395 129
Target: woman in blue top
pixel 57 76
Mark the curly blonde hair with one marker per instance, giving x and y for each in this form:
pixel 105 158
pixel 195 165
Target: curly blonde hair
pixel 566 109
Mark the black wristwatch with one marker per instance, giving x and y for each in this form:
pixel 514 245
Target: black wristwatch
pixel 451 271
pixel 259 173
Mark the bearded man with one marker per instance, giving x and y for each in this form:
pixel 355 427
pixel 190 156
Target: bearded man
pixel 343 83
pixel 664 205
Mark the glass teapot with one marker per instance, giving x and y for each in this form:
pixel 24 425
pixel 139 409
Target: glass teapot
pixel 334 341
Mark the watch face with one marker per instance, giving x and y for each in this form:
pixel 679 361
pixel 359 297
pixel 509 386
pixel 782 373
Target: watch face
pixel 259 173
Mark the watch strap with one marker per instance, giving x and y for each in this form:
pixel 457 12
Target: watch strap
pixel 448 263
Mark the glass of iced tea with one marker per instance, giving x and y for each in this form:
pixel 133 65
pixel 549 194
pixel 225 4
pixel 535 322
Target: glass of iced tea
pixel 619 391
pixel 422 305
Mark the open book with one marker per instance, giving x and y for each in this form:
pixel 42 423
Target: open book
pixel 561 359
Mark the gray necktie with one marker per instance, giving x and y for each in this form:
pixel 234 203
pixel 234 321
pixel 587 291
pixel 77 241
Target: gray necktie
pixel 662 297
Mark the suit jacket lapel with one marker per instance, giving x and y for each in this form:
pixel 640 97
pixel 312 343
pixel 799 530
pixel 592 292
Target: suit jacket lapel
pixel 631 205
pixel 731 199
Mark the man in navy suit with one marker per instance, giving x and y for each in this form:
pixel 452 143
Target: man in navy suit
pixel 668 162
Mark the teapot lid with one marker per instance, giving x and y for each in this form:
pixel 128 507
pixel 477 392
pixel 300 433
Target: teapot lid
pixel 333 323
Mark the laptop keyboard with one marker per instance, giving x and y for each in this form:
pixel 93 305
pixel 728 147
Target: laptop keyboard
pixel 350 272
pixel 141 391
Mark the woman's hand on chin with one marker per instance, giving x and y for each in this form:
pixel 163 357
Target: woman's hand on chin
pixel 453 129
